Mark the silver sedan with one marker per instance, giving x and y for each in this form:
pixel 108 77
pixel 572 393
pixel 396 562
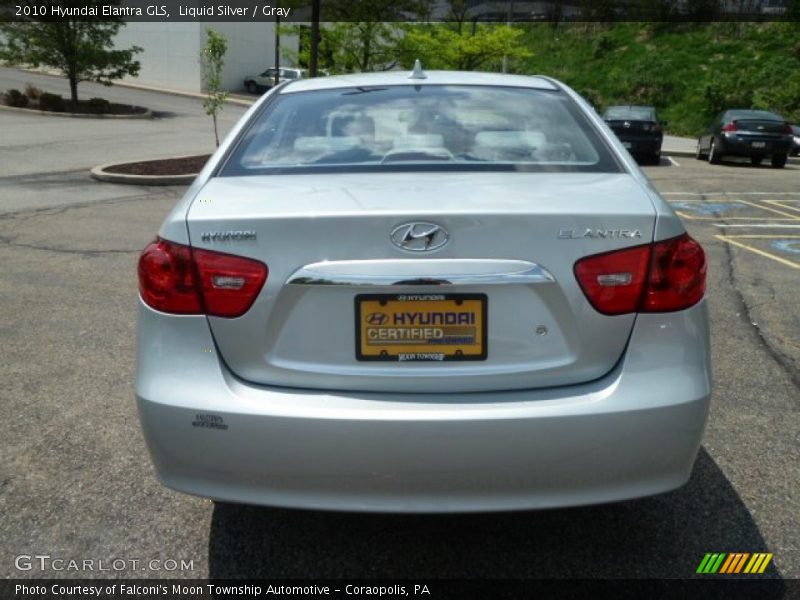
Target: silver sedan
pixel 435 292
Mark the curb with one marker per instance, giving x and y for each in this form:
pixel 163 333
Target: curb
pixel 678 153
pixel 100 174
pixel 792 159
pixel 233 98
pixel 147 114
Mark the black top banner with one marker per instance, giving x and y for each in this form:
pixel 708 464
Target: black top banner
pixel 499 11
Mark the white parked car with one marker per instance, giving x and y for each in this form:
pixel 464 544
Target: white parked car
pixel 256 84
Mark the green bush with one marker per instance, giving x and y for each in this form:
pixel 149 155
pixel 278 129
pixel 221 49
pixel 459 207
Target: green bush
pixel 52 102
pixel 16 98
pixel 32 92
pixel 99 105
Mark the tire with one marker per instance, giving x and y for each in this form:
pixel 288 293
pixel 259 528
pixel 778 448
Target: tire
pixel 655 158
pixel 779 161
pixel 697 153
pixel 713 155
pixel 252 87
pixel 756 160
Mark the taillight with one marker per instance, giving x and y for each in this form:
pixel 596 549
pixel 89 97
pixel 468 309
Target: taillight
pixel 660 277
pixel 677 277
pixel 787 129
pixel 729 127
pixel 229 284
pixel 167 280
pixel 613 281
pixel 177 279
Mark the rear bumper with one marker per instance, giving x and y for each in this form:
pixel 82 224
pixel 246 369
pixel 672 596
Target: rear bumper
pixel 633 433
pixel 736 145
pixel 641 144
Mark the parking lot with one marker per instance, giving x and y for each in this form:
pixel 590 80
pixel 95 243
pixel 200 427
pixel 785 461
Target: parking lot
pixel 76 481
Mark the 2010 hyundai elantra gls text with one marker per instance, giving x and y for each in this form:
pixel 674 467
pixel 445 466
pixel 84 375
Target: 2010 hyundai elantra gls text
pixel 438 292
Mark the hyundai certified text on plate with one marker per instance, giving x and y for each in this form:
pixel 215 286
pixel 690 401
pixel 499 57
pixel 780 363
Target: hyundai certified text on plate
pixel 439 292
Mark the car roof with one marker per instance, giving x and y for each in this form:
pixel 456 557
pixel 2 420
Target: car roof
pixel 432 78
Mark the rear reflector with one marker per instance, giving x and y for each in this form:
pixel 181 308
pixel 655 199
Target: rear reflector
pixel 660 277
pixel 177 279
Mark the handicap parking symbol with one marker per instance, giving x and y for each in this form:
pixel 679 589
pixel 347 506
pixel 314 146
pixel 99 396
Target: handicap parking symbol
pixel 706 208
pixel 791 246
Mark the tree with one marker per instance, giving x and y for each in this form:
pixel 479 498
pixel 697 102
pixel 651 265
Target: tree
pixel 481 46
pixel 81 49
pixel 357 35
pixel 212 57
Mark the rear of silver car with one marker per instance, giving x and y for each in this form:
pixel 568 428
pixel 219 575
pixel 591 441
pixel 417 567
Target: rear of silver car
pixel 402 337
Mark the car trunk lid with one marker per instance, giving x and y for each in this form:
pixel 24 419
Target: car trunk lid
pixel 513 242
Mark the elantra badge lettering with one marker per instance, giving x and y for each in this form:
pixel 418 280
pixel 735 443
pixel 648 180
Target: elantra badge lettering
pixel 608 234
pixel 227 236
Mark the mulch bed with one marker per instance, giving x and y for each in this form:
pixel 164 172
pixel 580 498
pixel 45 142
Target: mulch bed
pixel 170 166
pixel 85 108
pixel 114 109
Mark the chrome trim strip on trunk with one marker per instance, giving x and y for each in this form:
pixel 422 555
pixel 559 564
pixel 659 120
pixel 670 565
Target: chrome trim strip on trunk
pixel 404 272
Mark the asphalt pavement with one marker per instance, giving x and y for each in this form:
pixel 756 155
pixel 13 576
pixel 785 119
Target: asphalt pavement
pixel 76 481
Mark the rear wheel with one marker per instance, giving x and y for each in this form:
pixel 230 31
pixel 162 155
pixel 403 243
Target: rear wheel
pixel 779 161
pixel 252 87
pixel 756 160
pixel 713 155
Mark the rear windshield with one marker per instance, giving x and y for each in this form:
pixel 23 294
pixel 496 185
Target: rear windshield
pixel 424 127
pixel 755 115
pixel 631 113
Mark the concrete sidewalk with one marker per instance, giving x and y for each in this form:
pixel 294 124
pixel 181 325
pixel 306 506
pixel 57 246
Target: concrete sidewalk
pixel 678 146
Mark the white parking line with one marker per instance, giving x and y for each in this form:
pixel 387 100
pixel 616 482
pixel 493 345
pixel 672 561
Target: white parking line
pixel 730 193
pixel 673 161
pixel 760 225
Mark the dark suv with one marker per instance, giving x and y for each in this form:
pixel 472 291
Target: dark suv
pixel 754 134
pixel 638 129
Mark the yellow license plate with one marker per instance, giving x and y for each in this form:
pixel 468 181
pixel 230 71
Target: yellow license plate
pixel 420 327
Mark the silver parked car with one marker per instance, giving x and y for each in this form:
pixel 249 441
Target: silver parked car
pixel 443 292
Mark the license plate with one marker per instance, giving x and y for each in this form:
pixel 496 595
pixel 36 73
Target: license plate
pixel 421 327
pixel 759 144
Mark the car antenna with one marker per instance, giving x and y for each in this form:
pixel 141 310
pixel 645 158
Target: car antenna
pixel 417 73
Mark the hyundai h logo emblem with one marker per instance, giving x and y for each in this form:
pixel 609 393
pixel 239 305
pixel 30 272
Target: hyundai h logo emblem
pixel 419 236
pixel 377 319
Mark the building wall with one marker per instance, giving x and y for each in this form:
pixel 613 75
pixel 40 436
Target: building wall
pixel 171 56
pixel 251 49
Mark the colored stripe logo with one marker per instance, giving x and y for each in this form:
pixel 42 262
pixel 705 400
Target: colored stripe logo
pixel 734 563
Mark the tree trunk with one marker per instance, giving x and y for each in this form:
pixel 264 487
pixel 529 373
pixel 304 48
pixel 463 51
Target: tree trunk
pixel 216 135
pixel 73 89
pixel 277 51
pixel 366 53
pixel 313 58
